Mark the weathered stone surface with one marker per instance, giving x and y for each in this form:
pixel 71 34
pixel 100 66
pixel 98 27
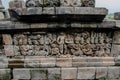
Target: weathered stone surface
pixel 69 73
pixel 19 25
pixel 79 62
pixel 101 72
pixel 64 62
pixel 48 10
pixel 115 50
pixel 86 73
pixel 21 74
pixel 54 74
pixel 108 61
pixel 3 62
pixel 116 37
pixel 88 3
pixel 117 23
pixel 113 72
pixel 7 39
pixel 16 62
pixel 90 10
pixel 17 4
pixel 68 3
pixel 32 61
pixel 9 51
pixel 38 74
pixel 6 25
pixel 2 16
pixel 5 74
pixel 39 25
pixel 107 24
pixel 117 16
pixel 48 62
pixel 64 10
pixel 117 61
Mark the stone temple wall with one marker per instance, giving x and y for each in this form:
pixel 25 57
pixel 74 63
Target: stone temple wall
pixel 58 40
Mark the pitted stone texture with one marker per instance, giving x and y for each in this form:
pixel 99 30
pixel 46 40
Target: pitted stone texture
pixel 5 74
pixel 64 62
pixel 117 16
pixel 48 62
pixel 69 3
pixel 48 10
pixel 101 72
pixel 39 25
pixel 39 74
pixel 2 16
pixel 17 4
pixel 69 73
pixel 54 74
pixel 115 50
pixel 3 62
pixel 9 51
pixel 32 61
pixel 7 39
pixel 113 72
pixel 86 73
pixel 21 74
pixel 116 37
pixel 64 10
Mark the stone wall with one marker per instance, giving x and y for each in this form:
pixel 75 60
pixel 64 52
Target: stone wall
pixel 70 45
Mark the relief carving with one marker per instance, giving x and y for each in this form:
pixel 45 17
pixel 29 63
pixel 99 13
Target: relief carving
pixel 56 44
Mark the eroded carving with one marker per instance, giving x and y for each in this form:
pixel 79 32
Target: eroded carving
pixel 55 44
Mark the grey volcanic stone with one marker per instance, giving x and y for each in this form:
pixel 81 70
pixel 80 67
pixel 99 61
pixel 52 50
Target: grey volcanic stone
pixel 64 10
pixel 21 74
pixel 86 73
pixel 117 16
pixel 5 74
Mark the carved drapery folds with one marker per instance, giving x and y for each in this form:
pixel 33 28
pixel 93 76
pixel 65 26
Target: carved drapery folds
pixel 56 44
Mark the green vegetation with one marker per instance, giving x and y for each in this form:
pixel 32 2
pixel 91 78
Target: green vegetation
pixel 110 16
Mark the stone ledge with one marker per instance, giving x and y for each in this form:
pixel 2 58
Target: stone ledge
pixel 44 62
pixel 9 25
pixel 80 14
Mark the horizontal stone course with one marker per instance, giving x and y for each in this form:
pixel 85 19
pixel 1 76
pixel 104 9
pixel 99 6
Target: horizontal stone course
pixel 18 25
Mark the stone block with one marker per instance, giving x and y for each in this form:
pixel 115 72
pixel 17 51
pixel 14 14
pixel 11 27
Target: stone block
pixel 117 61
pixel 113 72
pixel 3 62
pixel 79 62
pixel 69 73
pixel 73 3
pixel 115 51
pixel 117 16
pixel 117 23
pixel 90 10
pixel 39 25
pixel 88 3
pixel 101 72
pixel 19 25
pixel 64 10
pixel 86 73
pixel 2 16
pixel 16 62
pixel 48 62
pixel 48 10
pixel 21 74
pixel 38 74
pixel 108 61
pixel 116 37
pixel 106 24
pixel 54 74
pixel 9 51
pixel 33 11
pixel 7 39
pixel 6 25
pixel 64 62
pixel 5 74
pixel 32 61
pixel 17 4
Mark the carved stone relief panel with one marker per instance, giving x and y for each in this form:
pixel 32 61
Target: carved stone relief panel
pixel 55 44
